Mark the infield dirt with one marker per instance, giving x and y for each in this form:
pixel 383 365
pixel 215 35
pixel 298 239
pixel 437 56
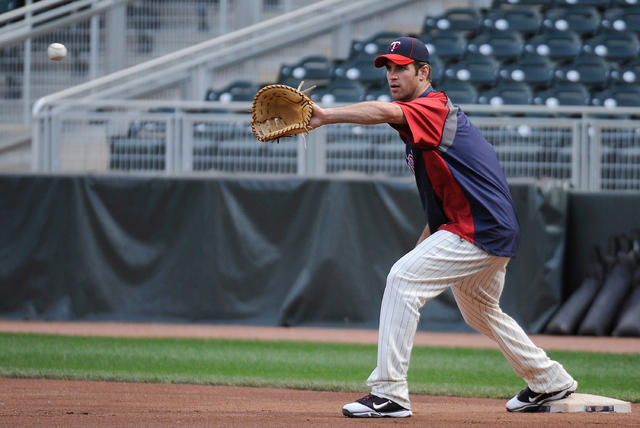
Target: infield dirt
pixel 59 403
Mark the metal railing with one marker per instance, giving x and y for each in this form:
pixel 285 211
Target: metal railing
pixel 589 148
pixel 107 36
pixel 192 65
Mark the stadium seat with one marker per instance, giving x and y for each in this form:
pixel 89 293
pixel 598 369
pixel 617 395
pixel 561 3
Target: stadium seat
pixel 477 69
pixel 459 92
pixel 438 67
pixel 526 20
pixel 503 45
pixel 582 20
pixel 537 3
pixel 360 68
pixel 558 45
pixel 467 20
pixel 624 3
pixel 445 44
pixel 241 90
pixel 593 71
pixel 339 91
pixel 563 94
pixel 613 45
pixel 381 94
pixel 7 5
pixel 622 19
pixel 600 4
pixel 627 72
pixel 535 70
pixel 315 69
pixel 373 46
pixel 624 95
pixel 507 93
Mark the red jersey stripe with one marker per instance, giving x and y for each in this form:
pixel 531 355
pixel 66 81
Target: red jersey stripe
pixel 454 202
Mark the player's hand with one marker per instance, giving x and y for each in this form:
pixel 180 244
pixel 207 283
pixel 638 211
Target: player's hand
pixel 317 116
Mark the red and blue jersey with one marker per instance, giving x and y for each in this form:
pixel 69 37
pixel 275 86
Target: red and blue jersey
pixel 461 184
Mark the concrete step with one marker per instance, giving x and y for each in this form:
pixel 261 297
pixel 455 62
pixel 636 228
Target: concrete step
pixel 15 148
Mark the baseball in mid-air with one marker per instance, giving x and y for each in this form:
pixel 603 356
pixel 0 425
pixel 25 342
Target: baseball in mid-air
pixel 57 51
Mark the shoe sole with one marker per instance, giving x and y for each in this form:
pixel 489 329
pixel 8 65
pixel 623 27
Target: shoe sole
pixel 373 414
pixel 534 406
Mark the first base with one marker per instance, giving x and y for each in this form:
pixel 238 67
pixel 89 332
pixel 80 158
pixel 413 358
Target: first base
pixel 586 403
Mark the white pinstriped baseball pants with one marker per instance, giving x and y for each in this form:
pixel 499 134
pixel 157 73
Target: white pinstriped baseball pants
pixel 476 278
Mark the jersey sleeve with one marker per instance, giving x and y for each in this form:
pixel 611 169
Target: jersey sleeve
pixel 425 120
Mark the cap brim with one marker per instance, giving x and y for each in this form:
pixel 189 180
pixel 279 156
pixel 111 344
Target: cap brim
pixel 395 58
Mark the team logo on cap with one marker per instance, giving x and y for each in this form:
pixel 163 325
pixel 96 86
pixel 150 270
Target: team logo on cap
pixel 393 46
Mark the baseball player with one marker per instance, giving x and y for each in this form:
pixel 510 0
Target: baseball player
pixel 471 233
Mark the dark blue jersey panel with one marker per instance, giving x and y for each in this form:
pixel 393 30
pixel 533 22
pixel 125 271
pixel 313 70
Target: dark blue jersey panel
pixel 464 167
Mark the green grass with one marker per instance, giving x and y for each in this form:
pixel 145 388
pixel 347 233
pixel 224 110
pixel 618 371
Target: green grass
pixel 301 365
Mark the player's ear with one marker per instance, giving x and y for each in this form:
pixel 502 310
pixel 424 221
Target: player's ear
pixel 424 71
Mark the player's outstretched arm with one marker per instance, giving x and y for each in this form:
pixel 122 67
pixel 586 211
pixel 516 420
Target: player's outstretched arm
pixel 364 113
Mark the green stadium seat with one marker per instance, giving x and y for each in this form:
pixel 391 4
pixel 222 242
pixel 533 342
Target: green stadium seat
pixel 503 45
pixel 622 95
pixel 339 91
pixel 507 93
pixel 557 45
pixel 446 44
pixel 477 69
pixel 460 92
pixel 622 19
pixel 593 71
pixel 583 20
pixel 563 94
pixel 467 20
pixel 627 72
pixel 535 70
pixel 374 45
pixel 613 45
pixel 526 20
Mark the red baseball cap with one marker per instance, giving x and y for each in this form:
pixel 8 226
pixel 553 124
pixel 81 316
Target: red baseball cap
pixel 404 51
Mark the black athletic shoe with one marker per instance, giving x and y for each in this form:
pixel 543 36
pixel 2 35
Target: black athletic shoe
pixel 371 406
pixel 527 400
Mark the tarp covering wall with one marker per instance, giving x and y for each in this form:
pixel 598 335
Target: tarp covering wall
pixel 593 219
pixel 253 251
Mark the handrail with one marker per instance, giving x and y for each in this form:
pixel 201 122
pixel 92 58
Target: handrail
pixel 244 107
pixel 172 64
pixel 33 7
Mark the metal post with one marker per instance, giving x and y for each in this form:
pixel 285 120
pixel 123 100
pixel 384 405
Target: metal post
pixel 197 84
pixel 594 136
pixel 26 74
pixel 252 12
pixel 579 154
pixel 223 17
pixel 94 39
pixel 116 42
pixel 312 159
pixel 187 145
pixel 339 45
pixel 169 146
pixel 36 144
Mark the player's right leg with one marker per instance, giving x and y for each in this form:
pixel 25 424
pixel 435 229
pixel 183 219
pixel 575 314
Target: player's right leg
pixel 527 399
pixel 478 299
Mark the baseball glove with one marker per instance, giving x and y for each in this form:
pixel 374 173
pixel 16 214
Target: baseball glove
pixel 280 111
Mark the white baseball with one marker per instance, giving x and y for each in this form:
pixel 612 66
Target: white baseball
pixel 57 51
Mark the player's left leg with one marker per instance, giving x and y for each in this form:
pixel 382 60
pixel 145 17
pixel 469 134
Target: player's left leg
pixel 478 299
